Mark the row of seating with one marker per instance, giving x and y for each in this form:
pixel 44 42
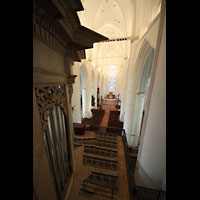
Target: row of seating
pixel 100 151
pixel 107 181
pixel 95 141
pixel 105 143
pixel 106 136
pixel 114 130
pixel 90 127
pixel 117 106
pixel 113 120
pixel 99 162
pixel 103 171
pixel 79 138
pixel 96 118
pixel 83 140
pixel 95 110
pixel 102 182
pixel 79 129
pixel 101 129
pixel 101 157
pixel 105 192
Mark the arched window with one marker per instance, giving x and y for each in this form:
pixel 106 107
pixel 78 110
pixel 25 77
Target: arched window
pixel 112 77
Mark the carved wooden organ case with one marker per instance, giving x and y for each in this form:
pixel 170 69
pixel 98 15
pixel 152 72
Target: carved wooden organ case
pixel 56 24
pixel 51 100
pixel 52 113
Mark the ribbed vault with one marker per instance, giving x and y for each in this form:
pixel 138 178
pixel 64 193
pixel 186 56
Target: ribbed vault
pixel 116 19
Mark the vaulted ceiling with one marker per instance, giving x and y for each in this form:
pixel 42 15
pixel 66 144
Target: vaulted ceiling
pixel 112 18
pixel 116 19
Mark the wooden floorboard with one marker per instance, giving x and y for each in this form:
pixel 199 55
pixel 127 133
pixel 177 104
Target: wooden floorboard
pixel 82 171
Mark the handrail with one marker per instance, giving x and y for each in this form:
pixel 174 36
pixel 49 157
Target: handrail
pixel 131 181
pixel 134 190
pixel 149 193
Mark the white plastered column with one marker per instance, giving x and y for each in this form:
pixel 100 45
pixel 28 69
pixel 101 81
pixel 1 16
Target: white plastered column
pixel 95 90
pixel 86 90
pixel 140 96
pixel 122 96
pixel 152 151
pixel 100 91
pixel 130 98
pixel 94 87
pixel 139 105
pixel 76 96
pixel 124 89
pixel 85 103
pixel 137 63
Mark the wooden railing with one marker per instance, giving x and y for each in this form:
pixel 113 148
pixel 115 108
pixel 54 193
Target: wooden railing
pixel 149 194
pixel 131 181
pixel 138 192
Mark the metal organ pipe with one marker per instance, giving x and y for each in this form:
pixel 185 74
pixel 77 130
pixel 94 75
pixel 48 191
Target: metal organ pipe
pixel 57 145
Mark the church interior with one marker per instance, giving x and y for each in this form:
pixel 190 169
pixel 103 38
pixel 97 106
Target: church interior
pixel 99 99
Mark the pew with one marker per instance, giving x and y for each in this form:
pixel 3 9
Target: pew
pixel 79 129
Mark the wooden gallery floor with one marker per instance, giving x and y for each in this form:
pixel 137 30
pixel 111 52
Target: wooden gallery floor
pixel 82 172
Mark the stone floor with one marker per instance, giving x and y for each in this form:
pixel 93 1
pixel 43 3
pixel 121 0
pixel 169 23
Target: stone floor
pixel 81 171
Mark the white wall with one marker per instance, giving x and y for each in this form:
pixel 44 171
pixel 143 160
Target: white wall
pixel 123 92
pixel 137 48
pixel 141 93
pixel 76 114
pixel 152 152
pixel 89 85
pixel 86 88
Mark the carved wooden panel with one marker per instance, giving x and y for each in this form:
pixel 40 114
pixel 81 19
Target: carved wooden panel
pixel 52 106
pixel 58 26
pixel 47 97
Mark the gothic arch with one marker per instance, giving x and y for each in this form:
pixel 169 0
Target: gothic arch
pixel 145 72
pixel 142 55
pixel 144 61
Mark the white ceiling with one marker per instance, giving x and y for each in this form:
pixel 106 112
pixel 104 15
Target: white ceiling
pixel 116 19
pixel 113 18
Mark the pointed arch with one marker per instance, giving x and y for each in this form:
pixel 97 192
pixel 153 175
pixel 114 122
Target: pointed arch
pixel 142 55
pixel 144 61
